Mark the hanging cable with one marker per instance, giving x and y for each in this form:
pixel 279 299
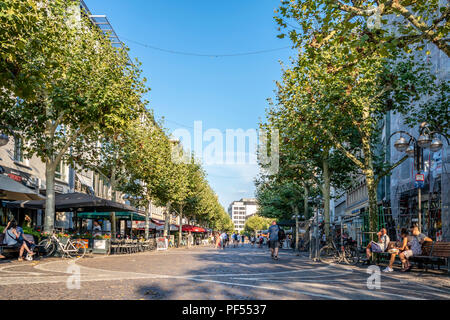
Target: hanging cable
pixel 204 55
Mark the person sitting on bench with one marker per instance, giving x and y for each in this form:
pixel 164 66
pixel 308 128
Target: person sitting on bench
pixel 395 250
pixel 380 246
pixel 415 244
pixel 12 238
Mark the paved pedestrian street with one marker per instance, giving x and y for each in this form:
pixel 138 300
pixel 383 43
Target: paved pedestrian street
pixel 207 273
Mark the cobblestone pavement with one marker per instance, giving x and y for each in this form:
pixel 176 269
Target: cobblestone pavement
pixel 207 273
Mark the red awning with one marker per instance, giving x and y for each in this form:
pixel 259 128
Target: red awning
pixel 189 228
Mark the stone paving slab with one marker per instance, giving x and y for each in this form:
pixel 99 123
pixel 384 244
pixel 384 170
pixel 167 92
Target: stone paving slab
pixel 208 273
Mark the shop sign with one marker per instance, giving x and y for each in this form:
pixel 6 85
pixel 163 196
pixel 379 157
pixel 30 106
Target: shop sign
pixel 15 177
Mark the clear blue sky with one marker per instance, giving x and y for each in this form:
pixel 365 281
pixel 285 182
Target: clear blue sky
pixel 222 92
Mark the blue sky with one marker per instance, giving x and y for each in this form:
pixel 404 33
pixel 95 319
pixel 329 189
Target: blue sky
pixel 222 92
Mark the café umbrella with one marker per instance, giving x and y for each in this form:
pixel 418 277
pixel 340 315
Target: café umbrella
pixel 75 202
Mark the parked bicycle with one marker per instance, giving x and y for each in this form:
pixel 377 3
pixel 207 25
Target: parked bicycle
pixel 71 249
pixel 347 253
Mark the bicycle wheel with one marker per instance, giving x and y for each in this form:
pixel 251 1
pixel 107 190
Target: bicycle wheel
pixel 328 254
pixel 76 249
pixel 47 247
pixel 352 256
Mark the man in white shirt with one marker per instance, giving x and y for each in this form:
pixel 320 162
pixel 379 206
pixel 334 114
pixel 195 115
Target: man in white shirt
pixel 380 246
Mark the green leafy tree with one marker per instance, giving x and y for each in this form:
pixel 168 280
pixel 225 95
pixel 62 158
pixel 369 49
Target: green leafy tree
pixel 85 87
pixel 256 223
pixel 399 23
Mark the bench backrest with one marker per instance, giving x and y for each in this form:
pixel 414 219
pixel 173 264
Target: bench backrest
pixel 27 237
pixel 427 248
pixel 441 249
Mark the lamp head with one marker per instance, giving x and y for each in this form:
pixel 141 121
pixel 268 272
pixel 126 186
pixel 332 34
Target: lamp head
pixel 401 144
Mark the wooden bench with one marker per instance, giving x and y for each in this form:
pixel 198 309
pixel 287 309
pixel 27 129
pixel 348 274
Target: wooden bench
pixel 5 249
pixel 434 253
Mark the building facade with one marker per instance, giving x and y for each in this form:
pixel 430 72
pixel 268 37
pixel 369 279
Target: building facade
pixel 241 210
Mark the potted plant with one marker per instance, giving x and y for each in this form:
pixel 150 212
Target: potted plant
pixel 101 244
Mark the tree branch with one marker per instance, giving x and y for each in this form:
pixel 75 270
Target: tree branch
pixel 388 170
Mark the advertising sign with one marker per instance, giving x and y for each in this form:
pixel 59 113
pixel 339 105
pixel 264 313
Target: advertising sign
pixel 162 243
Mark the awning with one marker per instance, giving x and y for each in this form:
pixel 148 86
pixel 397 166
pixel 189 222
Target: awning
pixel 189 228
pixel 79 202
pixel 106 215
pixel 172 227
pixel 13 190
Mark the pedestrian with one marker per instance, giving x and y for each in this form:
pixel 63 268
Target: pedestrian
pixel 243 240
pixel 253 240
pixel 223 240
pixel 273 240
pixel 217 240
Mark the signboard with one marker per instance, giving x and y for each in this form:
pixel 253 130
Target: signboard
pixel 99 244
pixel 420 177
pixel 15 177
pixel 162 243
pixel 420 181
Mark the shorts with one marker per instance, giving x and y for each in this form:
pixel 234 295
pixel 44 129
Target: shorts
pixel 274 244
pixel 375 247
pixel 408 253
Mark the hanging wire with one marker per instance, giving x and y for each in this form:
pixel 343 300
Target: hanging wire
pixel 204 55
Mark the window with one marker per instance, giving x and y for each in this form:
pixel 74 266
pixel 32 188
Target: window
pixel 59 170
pixel 18 153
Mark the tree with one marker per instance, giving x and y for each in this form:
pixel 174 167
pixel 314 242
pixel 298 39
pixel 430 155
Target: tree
pixel 146 156
pixel 400 23
pixel 85 86
pixel 256 223
pixel 346 103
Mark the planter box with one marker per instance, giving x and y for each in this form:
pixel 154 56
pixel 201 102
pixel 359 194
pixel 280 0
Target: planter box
pixel 102 246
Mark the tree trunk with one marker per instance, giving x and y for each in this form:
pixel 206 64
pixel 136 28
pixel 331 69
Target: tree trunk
pixel 326 196
pixel 113 198
pixel 373 206
pixel 305 201
pixel 147 222
pixel 50 169
pixel 180 232
pixel 167 220
pixel 296 228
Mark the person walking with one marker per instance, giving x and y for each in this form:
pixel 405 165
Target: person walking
pixel 223 240
pixel 218 240
pixel 274 240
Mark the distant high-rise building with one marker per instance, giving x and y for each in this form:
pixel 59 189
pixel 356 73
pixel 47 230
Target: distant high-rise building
pixel 241 210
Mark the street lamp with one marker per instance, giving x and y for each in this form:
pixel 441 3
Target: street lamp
pixel 414 149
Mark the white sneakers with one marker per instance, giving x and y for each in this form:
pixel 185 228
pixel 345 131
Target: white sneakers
pixel 388 269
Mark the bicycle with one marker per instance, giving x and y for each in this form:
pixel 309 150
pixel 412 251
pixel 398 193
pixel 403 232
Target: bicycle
pixel 72 249
pixel 346 253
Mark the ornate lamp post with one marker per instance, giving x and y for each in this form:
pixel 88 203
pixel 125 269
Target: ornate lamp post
pixel 414 149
